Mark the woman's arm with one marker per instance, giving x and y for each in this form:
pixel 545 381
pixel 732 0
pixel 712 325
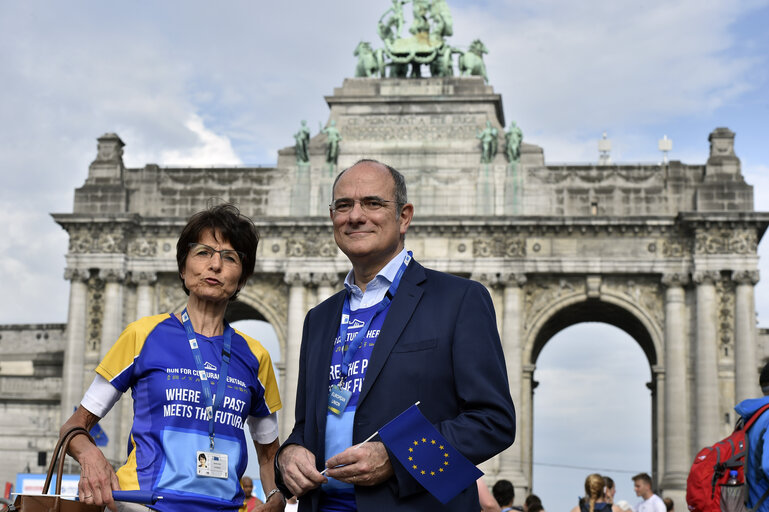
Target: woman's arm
pixel 266 455
pixel 97 477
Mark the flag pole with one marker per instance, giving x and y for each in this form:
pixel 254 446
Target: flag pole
pixel 369 438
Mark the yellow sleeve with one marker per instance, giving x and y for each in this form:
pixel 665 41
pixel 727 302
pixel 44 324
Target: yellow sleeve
pixel 127 347
pixel 266 374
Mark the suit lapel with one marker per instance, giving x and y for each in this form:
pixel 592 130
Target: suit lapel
pixel 402 307
pixel 324 351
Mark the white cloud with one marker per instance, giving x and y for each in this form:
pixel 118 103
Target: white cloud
pixel 578 68
pixel 201 83
pixel 212 149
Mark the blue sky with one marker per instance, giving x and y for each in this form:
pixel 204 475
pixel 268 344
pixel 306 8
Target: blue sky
pixel 203 83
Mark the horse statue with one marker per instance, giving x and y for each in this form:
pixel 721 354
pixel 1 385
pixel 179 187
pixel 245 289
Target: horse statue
pixel 370 62
pixel 471 62
pixel 443 65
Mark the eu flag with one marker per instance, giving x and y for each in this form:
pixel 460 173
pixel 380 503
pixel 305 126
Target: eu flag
pixel 425 453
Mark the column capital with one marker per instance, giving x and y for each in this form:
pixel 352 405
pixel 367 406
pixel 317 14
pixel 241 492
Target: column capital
pixel 325 278
pixel 112 274
pixel 706 277
pixel 297 278
pixel 745 276
pixel 143 277
pixel 516 279
pixel 486 278
pixel 76 274
pixel 675 279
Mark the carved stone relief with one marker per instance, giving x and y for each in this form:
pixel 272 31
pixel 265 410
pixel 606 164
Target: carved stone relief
pixel 644 292
pixel 95 312
pixel 499 246
pixel 311 247
pixel 726 241
pixel 271 292
pixel 104 238
pixel 725 294
pixel 143 247
pixel 675 247
pixel 169 292
pixel 540 292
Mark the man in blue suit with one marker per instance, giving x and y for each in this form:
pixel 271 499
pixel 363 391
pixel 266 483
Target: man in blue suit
pixel 399 333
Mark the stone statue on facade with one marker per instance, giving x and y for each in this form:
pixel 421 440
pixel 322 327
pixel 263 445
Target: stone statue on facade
pixel 488 139
pixel 425 46
pixel 431 25
pixel 332 144
pixel 370 61
pixel 513 138
pixel 302 138
pixel 420 24
pixel 443 65
pixel 471 62
pixel 391 28
pixel 442 23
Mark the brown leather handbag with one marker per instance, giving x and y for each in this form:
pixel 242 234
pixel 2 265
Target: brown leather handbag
pixel 27 503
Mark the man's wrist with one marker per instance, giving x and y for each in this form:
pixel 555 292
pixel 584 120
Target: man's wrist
pixel 273 493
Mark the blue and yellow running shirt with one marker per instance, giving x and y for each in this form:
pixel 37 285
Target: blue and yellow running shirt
pixel 152 357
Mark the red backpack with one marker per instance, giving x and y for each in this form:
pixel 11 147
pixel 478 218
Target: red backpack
pixel 711 467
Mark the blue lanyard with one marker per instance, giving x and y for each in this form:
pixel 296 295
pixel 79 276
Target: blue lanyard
pixel 211 406
pixel 355 344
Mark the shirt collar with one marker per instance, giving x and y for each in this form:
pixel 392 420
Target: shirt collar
pixel 387 273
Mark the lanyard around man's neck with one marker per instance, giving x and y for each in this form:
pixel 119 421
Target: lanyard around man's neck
pixel 356 342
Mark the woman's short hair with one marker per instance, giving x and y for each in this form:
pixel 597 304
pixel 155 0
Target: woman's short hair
pixel 224 220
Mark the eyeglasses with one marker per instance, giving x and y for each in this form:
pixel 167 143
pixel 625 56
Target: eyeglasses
pixel 203 252
pixel 367 204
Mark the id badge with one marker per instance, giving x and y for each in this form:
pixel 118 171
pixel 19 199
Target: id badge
pixel 212 464
pixel 337 399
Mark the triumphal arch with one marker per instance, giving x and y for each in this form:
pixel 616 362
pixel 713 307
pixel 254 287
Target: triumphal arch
pixel 666 252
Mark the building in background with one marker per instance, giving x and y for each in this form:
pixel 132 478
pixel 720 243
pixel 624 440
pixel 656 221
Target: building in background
pixel 667 252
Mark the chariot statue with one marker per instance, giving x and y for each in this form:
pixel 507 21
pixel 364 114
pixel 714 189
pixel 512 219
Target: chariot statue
pixel 424 43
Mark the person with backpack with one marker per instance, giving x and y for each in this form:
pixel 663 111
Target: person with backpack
pixel 757 463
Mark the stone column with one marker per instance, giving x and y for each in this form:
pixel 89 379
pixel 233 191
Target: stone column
pixel 511 465
pixel 706 360
pixel 144 293
pixel 112 326
pixel 745 359
pixel 526 436
pixel 296 294
pixel 327 283
pixel 72 374
pixel 676 423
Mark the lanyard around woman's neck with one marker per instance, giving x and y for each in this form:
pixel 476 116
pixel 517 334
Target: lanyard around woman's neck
pixel 355 344
pixel 211 406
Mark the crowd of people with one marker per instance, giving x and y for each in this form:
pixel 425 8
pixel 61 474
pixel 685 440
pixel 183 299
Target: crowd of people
pixel 599 497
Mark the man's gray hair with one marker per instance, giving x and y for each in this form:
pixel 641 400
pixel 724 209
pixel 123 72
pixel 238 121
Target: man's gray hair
pixel 401 195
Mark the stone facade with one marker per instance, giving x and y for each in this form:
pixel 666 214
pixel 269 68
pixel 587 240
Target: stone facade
pixel 667 253
pixel 31 358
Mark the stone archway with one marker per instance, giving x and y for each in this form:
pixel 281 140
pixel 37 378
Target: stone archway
pixel 612 308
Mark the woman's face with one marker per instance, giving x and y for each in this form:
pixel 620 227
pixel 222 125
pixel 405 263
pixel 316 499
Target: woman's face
pixel 610 492
pixel 208 274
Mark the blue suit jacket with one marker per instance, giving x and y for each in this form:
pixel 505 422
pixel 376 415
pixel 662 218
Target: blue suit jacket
pixel 439 345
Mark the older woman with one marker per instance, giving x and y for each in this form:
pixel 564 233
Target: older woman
pixel 194 381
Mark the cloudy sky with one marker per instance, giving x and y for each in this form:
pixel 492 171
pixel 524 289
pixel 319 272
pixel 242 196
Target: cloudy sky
pixel 207 83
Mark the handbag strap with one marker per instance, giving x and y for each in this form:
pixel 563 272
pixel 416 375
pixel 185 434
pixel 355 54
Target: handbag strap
pixel 60 453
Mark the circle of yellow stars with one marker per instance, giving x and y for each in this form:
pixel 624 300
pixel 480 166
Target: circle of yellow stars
pixel 430 442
